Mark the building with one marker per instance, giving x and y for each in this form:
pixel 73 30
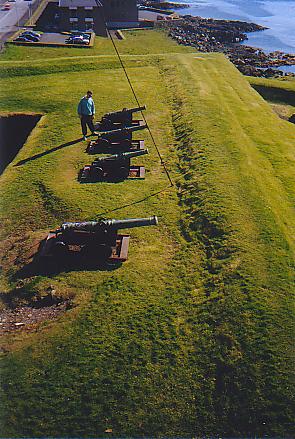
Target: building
pixel 92 14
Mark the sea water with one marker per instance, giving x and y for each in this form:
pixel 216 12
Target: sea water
pixel 277 15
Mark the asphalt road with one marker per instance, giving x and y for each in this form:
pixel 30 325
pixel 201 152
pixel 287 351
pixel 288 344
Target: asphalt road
pixel 11 20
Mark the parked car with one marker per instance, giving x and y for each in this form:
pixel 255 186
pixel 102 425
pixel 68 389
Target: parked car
pixel 31 34
pixel 23 39
pixel 6 7
pixel 35 34
pixel 77 41
pixel 31 38
pixel 76 37
pixel 80 34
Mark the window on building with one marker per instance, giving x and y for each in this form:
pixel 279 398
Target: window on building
pixel 74 25
pixel 89 26
pixel 73 12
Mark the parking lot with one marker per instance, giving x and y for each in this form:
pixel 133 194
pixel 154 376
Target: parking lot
pixel 54 39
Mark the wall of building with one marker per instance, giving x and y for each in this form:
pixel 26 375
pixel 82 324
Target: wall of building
pixel 82 19
pixel 120 10
pixel 114 11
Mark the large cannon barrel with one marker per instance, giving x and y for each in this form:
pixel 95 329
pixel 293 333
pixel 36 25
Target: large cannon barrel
pixel 92 226
pixel 124 111
pixel 132 222
pixel 83 226
pixel 122 156
pixel 125 130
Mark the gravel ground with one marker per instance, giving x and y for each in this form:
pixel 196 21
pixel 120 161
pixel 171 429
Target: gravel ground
pixel 27 317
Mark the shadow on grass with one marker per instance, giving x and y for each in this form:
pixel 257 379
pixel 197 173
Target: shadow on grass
pixel 25 297
pixel 42 154
pixel 50 266
pixel 275 94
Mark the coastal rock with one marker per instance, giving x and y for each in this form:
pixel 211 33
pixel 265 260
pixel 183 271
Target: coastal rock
pixel 163 5
pixel 210 35
pixel 292 118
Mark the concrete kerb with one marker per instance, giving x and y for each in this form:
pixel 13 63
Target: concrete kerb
pixel 49 44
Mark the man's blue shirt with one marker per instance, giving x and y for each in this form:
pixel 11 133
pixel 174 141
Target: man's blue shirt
pixel 86 106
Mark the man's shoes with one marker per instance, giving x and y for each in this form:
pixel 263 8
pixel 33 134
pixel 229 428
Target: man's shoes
pixel 84 138
pixel 94 133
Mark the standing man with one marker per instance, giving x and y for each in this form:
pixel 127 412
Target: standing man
pixel 86 112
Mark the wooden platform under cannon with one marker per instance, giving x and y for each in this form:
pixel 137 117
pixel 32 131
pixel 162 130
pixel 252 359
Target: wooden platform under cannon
pixel 86 176
pixel 119 251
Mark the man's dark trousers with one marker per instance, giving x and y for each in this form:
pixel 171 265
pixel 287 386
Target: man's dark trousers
pixel 86 120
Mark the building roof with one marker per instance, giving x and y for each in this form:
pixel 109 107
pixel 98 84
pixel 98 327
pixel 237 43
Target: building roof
pixel 79 3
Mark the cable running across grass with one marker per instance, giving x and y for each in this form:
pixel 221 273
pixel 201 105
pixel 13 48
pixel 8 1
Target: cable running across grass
pixel 134 94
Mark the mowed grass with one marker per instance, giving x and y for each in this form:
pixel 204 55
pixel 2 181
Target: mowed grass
pixel 193 334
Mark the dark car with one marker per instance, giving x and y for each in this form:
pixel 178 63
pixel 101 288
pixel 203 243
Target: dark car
pixel 23 39
pixel 30 32
pixel 83 42
pixel 29 35
pixel 31 38
pixel 77 40
pixel 80 34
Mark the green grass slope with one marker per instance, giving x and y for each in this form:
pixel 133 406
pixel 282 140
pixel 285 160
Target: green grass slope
pixel 193 334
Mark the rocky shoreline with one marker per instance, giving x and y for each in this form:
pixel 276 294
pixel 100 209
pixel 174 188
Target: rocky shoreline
pixel 210 35
pixel 163 5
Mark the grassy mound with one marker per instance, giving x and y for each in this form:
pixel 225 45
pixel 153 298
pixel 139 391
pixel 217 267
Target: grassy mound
pixel 193 334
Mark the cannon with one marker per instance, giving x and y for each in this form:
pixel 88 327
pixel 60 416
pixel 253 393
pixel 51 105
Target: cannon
pixel 116 167
pixel 118 119
pixel 96 240
pixel 119 139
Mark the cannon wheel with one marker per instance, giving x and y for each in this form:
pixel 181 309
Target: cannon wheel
pixel 124 143
pixel 97 173
pixel 122 173
pixel 84 174
pixel 104 251
pixel 60 249
pixel 103 142
pixel 94 252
